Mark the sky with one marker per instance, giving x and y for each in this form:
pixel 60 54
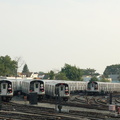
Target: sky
pixel 46 34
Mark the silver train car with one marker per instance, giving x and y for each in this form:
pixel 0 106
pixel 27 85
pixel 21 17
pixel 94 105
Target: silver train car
pixel 33 85
pixel 56 88
pixel 7 89
pixel 77 86
pixel 102 87
pixel 19 85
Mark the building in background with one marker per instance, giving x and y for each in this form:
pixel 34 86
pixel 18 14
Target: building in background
pixel 114 77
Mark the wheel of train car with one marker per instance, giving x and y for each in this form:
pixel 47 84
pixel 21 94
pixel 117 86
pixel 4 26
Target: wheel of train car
pixel 102 92
pixel 40 98
pixel 19 93
pixel 65 99
pixel 6 99
pixel 47 96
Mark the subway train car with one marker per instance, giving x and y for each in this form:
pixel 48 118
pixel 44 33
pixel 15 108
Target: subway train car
pixel 77 86
pixel 7 89
pixel 102 87
pixel 81 86
pixel 33 85
pixel 57 88
pixel 18 90
pixel 74 86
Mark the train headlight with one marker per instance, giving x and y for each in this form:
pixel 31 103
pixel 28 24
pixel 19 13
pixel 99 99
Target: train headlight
pixel 42 90
pixel 30 90
pixel 10 91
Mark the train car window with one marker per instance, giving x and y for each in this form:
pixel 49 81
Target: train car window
pixel 4 86
pixel 9 86
pixel 41 85
pixel 36 85
pixel 61 88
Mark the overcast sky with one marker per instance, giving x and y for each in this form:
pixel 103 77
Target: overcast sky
pixel 46 34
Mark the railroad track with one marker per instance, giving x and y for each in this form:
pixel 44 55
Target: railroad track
pixel 91 102
pixel 37 113
pixel 31 116
pixel 15 111
pixel 117 100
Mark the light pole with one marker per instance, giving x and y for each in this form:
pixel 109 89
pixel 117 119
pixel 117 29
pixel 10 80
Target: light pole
pixel 110 100
pixel 59 105
pixel 58 100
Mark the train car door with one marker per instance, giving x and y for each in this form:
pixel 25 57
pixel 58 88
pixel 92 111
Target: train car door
pixel 91 86
pixel 61 90
pixel 36 87
pixel 4 87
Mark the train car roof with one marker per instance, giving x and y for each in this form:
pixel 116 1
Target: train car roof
pixel 30 80
pixel 54 82
pixel 11 80
pixel 62 81
pixel 104 82
pixel 76 81
pixel 48 81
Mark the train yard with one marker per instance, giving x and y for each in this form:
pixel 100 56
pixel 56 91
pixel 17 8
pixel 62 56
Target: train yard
pixel 58 100
pixel 15 111
pixel 92 102
pixel 79 107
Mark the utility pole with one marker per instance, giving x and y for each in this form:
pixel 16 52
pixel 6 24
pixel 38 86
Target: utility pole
pixel 110 100
pixel 56 98
pixel 59 100
pixel 0 103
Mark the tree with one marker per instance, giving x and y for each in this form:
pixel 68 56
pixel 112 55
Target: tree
pixel 112 69
pixel 19 64
pixel 25 69
pixel 72 72
pixel 51 75
pixel 46 76
pixel 104 80
pixel 7 66
pixel 93 79
pixel 89 71
pixel 41 73
pixel 61 76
